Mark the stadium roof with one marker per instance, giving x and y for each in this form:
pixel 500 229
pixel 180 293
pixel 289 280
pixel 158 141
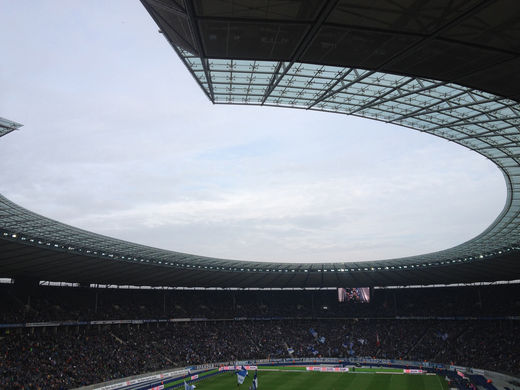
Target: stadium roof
pixel 6 126
pixel 447 68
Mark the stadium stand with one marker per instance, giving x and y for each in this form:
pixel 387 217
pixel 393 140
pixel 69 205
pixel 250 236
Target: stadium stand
pixel 62 303
pixel 247 325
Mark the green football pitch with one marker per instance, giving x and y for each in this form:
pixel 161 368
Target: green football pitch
pixel 295 380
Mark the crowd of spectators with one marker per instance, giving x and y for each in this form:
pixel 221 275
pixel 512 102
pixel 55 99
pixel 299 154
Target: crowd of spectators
pixel 84 304
pixel 66 357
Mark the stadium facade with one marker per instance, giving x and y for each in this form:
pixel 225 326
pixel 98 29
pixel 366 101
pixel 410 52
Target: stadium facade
pixel 446 68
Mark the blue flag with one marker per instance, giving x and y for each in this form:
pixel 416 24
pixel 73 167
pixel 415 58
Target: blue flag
pixel 255 382
pixel 188 387
pixel 241 375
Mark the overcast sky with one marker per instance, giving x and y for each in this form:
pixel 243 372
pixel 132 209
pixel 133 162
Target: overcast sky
pixel 120 140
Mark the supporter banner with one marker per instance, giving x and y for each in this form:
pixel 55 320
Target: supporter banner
pixel 110 322
pixel 413 371
pixel 233 368
pixel 193 377
pixel 327 369
pixel 245 362
pixel 204 366
pixel 38 324
pixel 371 361
pixel 144 379
pixel 458 368
pixel 449 318
pixel 72 323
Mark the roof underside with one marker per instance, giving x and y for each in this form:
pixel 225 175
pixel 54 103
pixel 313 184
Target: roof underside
pixel 447 68
pixel 475 43
pixel 60 264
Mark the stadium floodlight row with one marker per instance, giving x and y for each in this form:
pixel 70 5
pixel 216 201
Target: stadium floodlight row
pixel 446 68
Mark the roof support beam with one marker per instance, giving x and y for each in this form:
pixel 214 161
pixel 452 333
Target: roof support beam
pixel 192 21
pixel 377 100
pixel 301 48
pixel 415 45
pixel 464 121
